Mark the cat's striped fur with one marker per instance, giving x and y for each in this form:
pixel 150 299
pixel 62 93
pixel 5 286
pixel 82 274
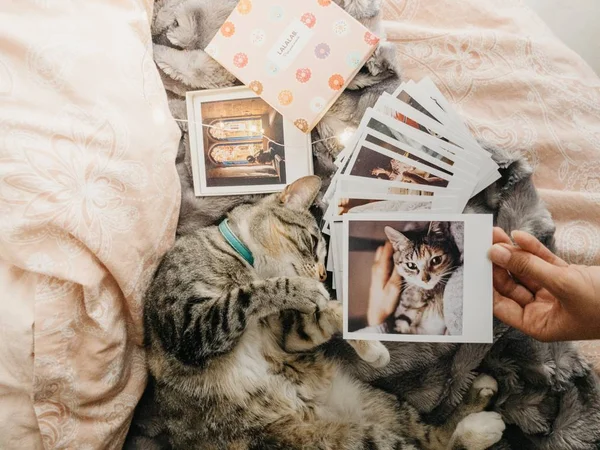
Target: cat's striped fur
pixel 232 349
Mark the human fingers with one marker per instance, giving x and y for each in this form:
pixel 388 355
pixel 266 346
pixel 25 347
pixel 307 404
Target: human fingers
pixel 508 287
pixel 530 244
pixel 500 236
pixel 530 284
pixel 390 295
pixel 382 264
pixel 388 251
pixel 394 284
pixel 508 311
pixel 536 319
pixel 526 266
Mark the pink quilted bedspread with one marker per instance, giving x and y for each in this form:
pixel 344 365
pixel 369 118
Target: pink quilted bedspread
pixel 89 199
pixel 520 88
pixel 89 192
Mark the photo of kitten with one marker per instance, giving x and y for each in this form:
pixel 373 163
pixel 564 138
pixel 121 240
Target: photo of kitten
pixel 375 165
pixel 425 262
pixel 426 257
pixel 361 205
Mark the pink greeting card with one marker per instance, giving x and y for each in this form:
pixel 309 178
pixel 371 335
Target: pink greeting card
pixel 297 55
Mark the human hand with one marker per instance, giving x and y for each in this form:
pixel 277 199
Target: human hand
pixel 545 297
pixel 384 293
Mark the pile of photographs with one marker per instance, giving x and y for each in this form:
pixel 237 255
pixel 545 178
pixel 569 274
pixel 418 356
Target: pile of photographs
pixel 411 166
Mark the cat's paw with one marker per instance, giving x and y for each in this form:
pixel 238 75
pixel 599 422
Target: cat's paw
pixel 485 387
pixel 480 431
pixel 330 320
pixel 372 352
pixel 306 295
pixel 402 327
pixel 482 390
pixel 336 307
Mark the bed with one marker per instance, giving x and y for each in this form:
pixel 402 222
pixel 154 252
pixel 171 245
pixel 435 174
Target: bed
pixel 89 195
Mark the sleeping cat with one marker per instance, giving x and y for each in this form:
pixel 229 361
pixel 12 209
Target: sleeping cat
pixel 233 349
pixel 425 261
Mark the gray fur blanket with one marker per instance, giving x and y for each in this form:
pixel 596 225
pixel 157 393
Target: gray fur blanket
pixel 548 395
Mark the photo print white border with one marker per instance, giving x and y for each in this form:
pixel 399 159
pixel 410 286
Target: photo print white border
pixel 298 145
pixel 477 282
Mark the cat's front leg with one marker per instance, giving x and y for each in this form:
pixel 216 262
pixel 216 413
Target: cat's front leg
pixel 305 295
pixel 201 328
pixel 372 352
pixel 478 431
pixel 299 332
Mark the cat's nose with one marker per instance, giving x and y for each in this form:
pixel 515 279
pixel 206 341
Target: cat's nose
pixel 322 272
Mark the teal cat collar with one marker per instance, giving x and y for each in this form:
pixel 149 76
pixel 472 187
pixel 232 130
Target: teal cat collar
pixel 235 242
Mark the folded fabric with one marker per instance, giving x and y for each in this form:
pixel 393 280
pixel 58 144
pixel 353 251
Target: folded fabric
pixel 89 198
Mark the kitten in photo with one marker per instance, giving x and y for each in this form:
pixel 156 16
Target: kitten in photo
pixel 425 260
pixel 235 349
pixel 404 172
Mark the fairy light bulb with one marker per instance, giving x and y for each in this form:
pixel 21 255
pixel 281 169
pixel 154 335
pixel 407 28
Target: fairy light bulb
pixel 346 135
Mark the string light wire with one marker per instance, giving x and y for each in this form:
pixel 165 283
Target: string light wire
pixel 342 137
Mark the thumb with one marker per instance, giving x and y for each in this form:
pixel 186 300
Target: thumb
pixel 394 284
pixel 523 264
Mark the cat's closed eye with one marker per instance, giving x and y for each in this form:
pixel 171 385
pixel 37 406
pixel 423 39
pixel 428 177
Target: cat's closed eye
pixel 315 243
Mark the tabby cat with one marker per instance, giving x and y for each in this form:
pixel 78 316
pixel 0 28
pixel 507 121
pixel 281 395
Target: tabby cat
pixel 425 260
pixel 234 357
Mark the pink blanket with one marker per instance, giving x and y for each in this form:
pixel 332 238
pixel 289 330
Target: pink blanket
pixel 519 88
pixel 89 199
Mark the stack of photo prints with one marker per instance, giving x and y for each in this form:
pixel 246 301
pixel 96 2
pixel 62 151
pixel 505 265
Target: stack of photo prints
pixel 407 264
pixel 399 242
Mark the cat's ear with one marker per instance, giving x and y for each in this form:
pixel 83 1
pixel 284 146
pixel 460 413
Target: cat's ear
pixel 397 239
pixel 438 228
pixel 301 193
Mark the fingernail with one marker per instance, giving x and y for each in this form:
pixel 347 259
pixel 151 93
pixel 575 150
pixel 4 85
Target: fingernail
pixel 378 253
pixel 516 233
pixel 499 254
